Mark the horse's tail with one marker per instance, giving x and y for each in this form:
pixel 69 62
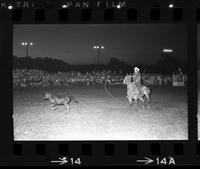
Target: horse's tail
pixel 148 93
pixel 148 90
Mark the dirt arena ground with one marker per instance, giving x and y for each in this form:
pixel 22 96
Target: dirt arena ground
pixel 98 116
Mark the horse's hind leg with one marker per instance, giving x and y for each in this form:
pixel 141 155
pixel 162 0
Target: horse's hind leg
pixel 53 106
pixel 136 102
pixel 147 96
pixel 142 101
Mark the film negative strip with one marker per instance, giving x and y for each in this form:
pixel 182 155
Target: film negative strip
pixel 99 82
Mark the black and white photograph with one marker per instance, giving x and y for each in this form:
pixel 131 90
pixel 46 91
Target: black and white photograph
pixel 198 73
pixel 76 82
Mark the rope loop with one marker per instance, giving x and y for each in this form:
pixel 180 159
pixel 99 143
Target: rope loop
pixel 109 92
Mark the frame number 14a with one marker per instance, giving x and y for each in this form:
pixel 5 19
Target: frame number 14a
pixel 158 161
pixel 165 161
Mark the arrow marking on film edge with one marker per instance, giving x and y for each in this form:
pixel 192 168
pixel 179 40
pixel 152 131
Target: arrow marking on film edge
pixel 62 161
pixel 145 161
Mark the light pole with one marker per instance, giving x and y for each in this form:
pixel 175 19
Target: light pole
pixel 166 55
pixel 26 45
pixel 98 52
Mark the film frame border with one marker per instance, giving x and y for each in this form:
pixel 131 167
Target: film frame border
pixel 141 9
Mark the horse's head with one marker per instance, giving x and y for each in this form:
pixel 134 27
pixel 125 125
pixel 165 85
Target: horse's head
pixel 127 80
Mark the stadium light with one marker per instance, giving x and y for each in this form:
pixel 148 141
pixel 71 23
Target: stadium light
pixel 64 6
pixel 167 50
pixel 171 5
pixel 118 6
pixel 10 7
pixel 26 45
pixel 98 52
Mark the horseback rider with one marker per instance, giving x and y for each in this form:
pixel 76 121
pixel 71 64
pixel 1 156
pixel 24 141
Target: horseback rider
pixel 137 78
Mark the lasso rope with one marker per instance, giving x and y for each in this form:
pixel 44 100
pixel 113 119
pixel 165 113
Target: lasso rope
pixel 109 92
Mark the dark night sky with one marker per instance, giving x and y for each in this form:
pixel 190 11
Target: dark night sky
pixel 131 43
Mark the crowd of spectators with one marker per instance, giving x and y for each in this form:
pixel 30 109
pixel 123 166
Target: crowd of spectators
pixel 39 78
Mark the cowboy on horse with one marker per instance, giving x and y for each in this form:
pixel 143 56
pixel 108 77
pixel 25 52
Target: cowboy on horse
pixel 135 90
pixel 136 78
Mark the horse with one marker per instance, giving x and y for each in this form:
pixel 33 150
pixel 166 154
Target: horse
pixel 133 93
pixel 56 101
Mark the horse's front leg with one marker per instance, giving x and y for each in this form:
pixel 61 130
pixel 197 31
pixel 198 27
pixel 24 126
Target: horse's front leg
pixel 67 107
pixel 130 100
pixel 136 101
pixel 141 98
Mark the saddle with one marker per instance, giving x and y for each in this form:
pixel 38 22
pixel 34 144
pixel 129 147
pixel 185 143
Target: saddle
pixel 139 87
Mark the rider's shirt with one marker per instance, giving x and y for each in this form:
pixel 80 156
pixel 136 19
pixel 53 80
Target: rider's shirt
pixel 137 78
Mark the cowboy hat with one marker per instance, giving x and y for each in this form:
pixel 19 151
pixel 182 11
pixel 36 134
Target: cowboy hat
pixel 137 69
